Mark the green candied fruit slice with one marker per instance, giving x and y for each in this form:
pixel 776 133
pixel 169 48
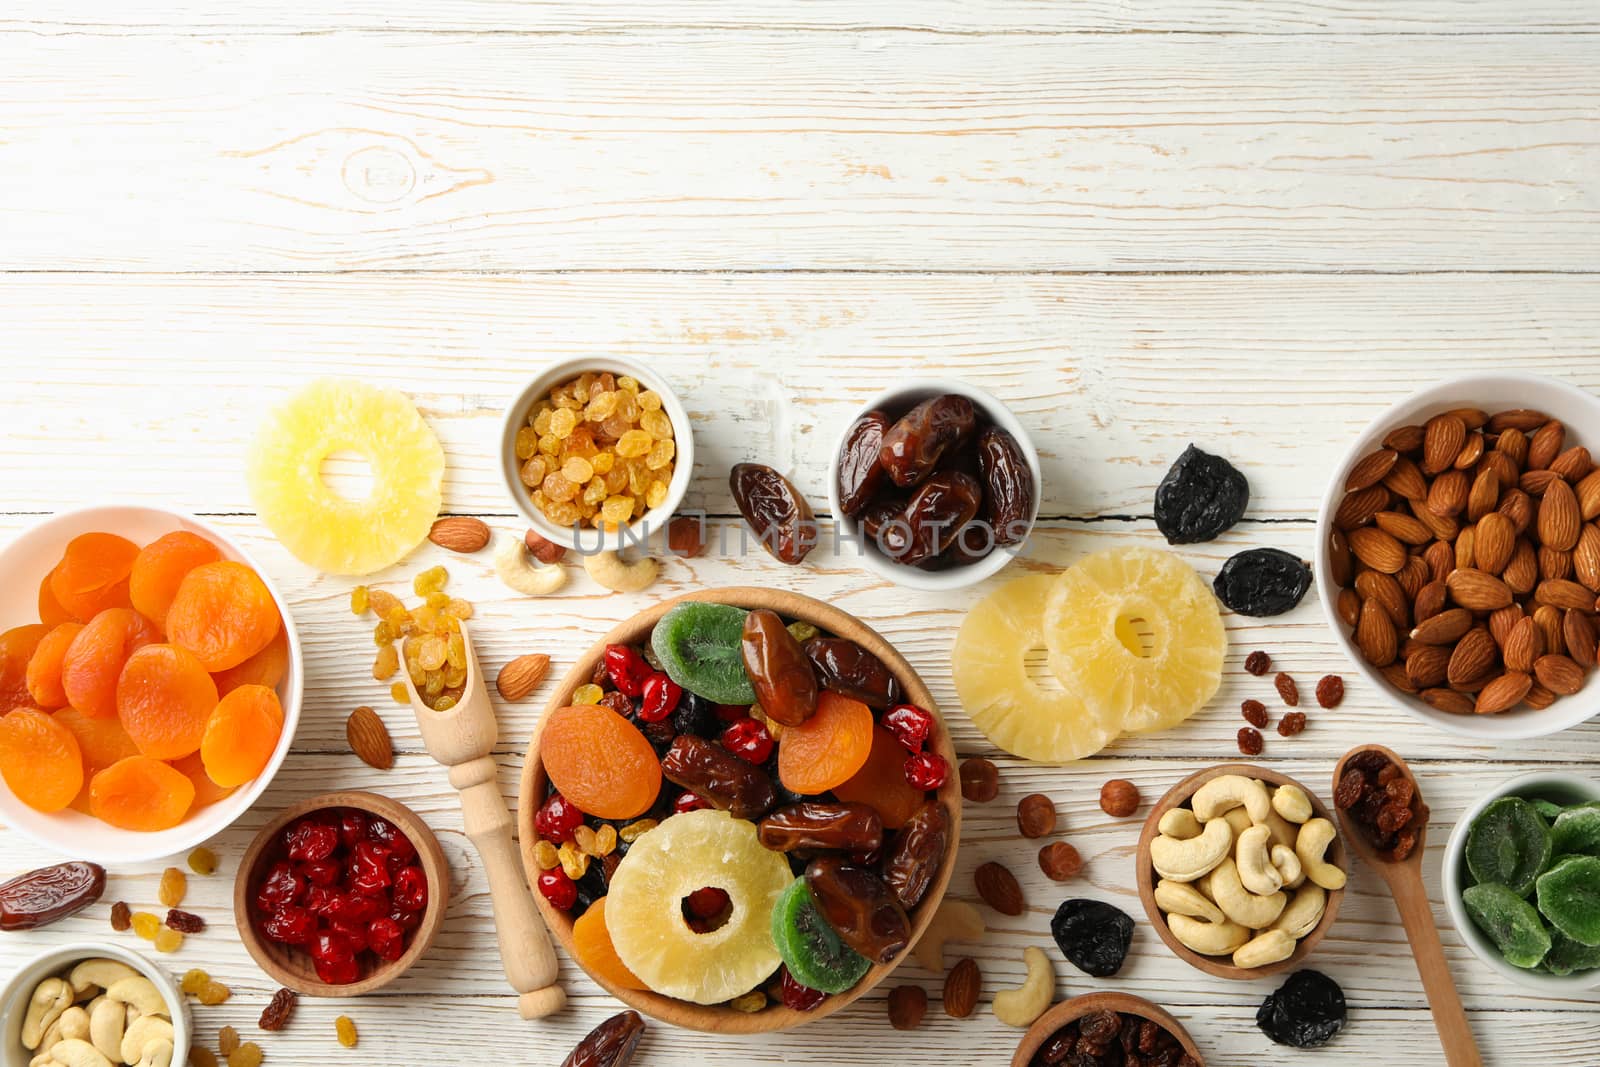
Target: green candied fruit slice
pixel 1576 831
pixel 1548 809
pixel 810 947
pixel 699 646
pixel 1567 956
pixel 1509 921
pixel 1569 896
pixel 1509 845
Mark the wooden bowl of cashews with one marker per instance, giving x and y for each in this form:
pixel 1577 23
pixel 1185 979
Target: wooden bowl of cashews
pixel 1241 871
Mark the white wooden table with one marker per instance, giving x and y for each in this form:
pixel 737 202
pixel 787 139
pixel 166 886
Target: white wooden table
pixel 1246 223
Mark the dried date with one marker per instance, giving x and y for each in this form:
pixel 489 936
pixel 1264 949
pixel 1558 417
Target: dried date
pixel 1201 496
pixel 775 511
pixel 860 907
pixel 782 676
pixel 611 1044
pixel 913 446
pixel 1008 485
pixel 936 515
pixel 848 669
pixel 718 777
pixel 916 854
pixel 823 826
pixel 860 469
pixel 49 894
pixel 1262 581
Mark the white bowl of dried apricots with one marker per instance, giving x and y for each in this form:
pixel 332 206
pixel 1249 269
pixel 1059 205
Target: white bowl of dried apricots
pixel 151 681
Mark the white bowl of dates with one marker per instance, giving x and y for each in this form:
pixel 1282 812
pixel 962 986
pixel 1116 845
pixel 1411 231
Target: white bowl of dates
pixel 1458 555
pixel 739 810
pixel 67 993
pixel 1115 1024
pixel 620 457
pixel 1520 871
pixel 936 482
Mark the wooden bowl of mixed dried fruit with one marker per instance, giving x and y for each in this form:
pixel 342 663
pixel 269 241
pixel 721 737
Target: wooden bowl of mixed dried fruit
pixel 739 810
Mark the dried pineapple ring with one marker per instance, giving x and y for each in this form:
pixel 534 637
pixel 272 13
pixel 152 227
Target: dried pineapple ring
pixel 322 528
pixel 1139 634
pixel 1035 722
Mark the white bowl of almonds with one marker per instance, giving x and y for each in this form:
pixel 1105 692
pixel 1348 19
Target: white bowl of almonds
pixel 1458 555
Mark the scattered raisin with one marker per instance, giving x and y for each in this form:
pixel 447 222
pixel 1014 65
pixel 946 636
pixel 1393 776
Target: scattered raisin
pixel 199 1056
pixel 345 1027
pixel 1258 663
pixel 980 780
pixel 1352 785
pixel 246 1055
pixel 203 861
pixel 167 940
pixel 1330 690
pixel 278 1010
pixel 227 1041
pixel 1287 689
pixel 1059 861
pixel 1255 713
pixel 185 922
pixel 121 917
pixel 1250 741
pixel 1292 723
pixel 174 885
pixel 1036 815
pixel 1404 842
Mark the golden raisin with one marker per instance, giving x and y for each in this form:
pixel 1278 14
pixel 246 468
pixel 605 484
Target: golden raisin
pixel 430 581
pixel 194 981
pixel 587 694
pixel 397 692
pixel 174 886
pixel 584 838
pixel 749 1003
pixel 345 1027
pixel 546 856
pixel 203 861
pixel 359 602
pixel 168 940
pixel 575 863
pixel 635 830
pixel 146 925
pixel 214 993
pixel 202 1057
pixel 386 663
pixel 227 1040
pixel 605 840
pixel 246 1055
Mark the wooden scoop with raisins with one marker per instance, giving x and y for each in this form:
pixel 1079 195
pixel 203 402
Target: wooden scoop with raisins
pixel 1386 824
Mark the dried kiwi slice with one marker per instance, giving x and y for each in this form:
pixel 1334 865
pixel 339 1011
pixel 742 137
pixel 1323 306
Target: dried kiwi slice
pixel 699 646
pixel 1567 956
pixel 1509 845
pixel 1569 896
pixel 1577 831
pixel 1510 922
pixel 1547 808
pixel 810 947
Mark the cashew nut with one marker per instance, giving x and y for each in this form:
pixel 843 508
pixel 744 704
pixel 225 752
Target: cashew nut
pixel 1208 939
pixel 156 1054
pixel 609 570
pixel 1181 898
pixel 1231 791
pixel 1239 819
pixel 1289 867
pixel 78 1053
pixel 1238 903
pixel 956 920
pixel 1310 845
pixel 1019 1007
pixel 1179 823
pixel 1283 831
pixel 519 570
pixel 1291 802
pixel 138 992
pixel 50 998
pixel 98 972
pixel 145 1031
pixel 1254 861
pixel 1304 911
pixel 73 1025
pixel 1184 861
pixel 106 1023
pixel 1270 947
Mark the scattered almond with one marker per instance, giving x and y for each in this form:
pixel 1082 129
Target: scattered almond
pixel 999 889
pixel 519 677
pixel 460 533
pixel 369 738
pixel 961 988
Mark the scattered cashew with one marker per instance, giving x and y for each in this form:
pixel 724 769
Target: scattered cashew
pixel 1184 861
pixel 78 1053
pixel 609 570
pixel 1289 866
pixel 156 1054
pixel 517 569
pixel 1283 831
pixel 106 1023
pixel 1291 802
pixel 1270 947
pixel 145 1031
pixel 1181 898
pixel 99 972
pixel 1310 845
pixel 956 920
pixel 1019 1007
pixel 1231 791
pixel 1179 823
pixel 1304 911
pixel 50 998
pixel 138 992
pixel 1248 909
pixel 1208 939
pixel 1254 860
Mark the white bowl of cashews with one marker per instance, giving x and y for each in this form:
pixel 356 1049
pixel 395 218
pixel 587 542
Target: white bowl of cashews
pixel 92 1005
pixel 1241 871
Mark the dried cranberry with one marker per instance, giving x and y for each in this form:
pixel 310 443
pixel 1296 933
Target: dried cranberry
pixel 291 925
pixel 352 826
pixel 557 818
pixel 707 903
pixel 309 841
pixel 910 725
pixel 323 872
pixel 408 920
pixel 688 801
pixel 799 997
pixel 387 833
pixel 321 898
pixel 926 770
pixel 386 938
pixel 369 868
pixel 354 908
pixel 411 889
pixel 334 958
pixel 661 696
pixel 626 669
pixel 355 933
pixel 280 888
pixel 749 740
pixel 558 889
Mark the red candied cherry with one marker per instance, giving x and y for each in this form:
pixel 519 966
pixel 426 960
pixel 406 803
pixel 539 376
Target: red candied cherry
pixel 926 770
pixel 320 899
pixel 558 889
pixel 799 997
pixel 387 939
pixel 354 908
pixel 407 920
pixel 411 889
pixel 280 888
pixel 707 903
pixel 290 925
pixel 661 696
pixel 322 872
pixel 732 712
pixel 388 834
pixel 557 818
pixel 748 739
pixel 627 669
pixel 355 933
pixel 687 801
pixel 310 841
pixel 369 868
pixel 334 959
pixel 910 725
pixel 352 826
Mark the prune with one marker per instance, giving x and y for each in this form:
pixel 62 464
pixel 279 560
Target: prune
pixel 1305 1012
pixel 611 1044
pixel 860 472
pixel 931 522
pixel 913 446
pixel 1262 581
pixel 780 673
pixel 696 715
pixel 776 512
pixel 860 907
pixel 1201 496
pixel 913 859
pixel 1092 935
pixel 1007 484
pixel 718 777
pixel 850 670
pixel 48 894
pixel 822 826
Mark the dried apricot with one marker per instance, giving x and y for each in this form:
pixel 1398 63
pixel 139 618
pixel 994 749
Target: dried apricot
pixel 39 760
pixel 102 742
pixel 93 574
pixel 160 567
pixel 600 761
pixel 140 793
pixel 241 735
pixel 44 668
pixel 881 781
pixel 164 698
pixel 95 658
pixel 223 613
pixel 17 646
pixel 266 667
pixel 51 613
pixel 206 792
pixel 591 944
pixel 827 749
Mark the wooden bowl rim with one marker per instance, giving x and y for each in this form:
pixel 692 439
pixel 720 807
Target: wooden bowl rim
pixel 1214 965
pixel 715 1018
pixel 429 855
pixel 1079 1006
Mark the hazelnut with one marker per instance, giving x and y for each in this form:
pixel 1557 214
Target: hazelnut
pixel 1036 815
pixel 544 551
pixel 686 536
pixel 1119 797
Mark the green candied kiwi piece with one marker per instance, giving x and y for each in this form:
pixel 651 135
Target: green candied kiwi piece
pixel 1576 831
pixel 699 646
pixel 1509 921
pixel 809 946
pixel 1567 956
pixel 1508 844
pixel 1548 809
pixel 1569 896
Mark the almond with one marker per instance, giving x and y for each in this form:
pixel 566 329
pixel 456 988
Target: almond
pixel 1445 628
pixel 1441 443
pixel 1443 527
pixel 1494 541
pixel 1466 547
pixel 1578 633
pixel 999 889
pixel 1405 480
pixel 519 677
pixel 1539 697
pixel 1504 469
pixel 1349 606
pixel 1548 620
pixel 1589 496
pixel 1513 444
pixel 1426 667
pixel 1405 438
pixel 1370 469
pixel 1403 527
pixel 1375 585
pixel 1470 453
pixel 1484 495
pixel 460 533
pixel 1554 563
pixel 1441 559
pixel 1502 620
pixel 1395 675
pixel 1560 521
pixel 1520 419
pixel 1358 508
pixel 1503 693
pixel 1535 483
pixel 1413 576
pixel 1563 594
pixel 1475 656
pixel 1476 590
pixel 1518 507
pixel 1545 444
pixel 961 988
pixel 1429 601
pixel 1449 700
pixel 1522 573
pixel 1339 557
pixel 1472 418
pixel 1574 464
pixel 1448 493
pixel 1523 645
pixel 1377 549
pixel 1559 674
pixel 1375 636
pixel 369 738
pixel 1586 557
